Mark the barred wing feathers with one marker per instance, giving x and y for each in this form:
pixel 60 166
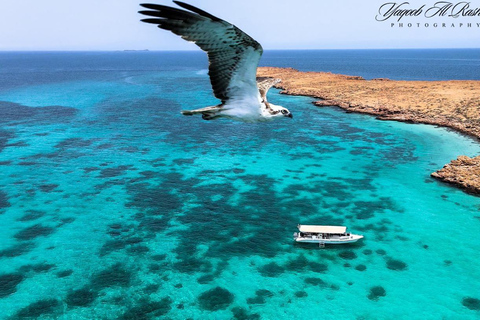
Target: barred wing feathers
pixel 233 55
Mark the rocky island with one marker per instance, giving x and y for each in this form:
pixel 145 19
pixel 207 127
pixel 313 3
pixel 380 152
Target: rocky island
pixel 454 104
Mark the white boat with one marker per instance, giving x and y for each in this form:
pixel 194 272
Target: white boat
pixel 324 235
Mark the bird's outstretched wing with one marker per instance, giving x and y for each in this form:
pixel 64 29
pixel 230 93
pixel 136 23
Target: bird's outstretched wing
pixel 264 84
pixel 233 54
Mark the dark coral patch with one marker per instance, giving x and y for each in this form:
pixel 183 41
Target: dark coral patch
pixel 361 267
pixel 48 187
pixel 376 292
pixel 133 240
pixel 64 273
pixel 397 265
pixel 192 265
pixel 32 215
pixel 66 220
pixel 116 275
pixel 39 267
pixel 155 224
pixel 5 136
pixel 4 203
pixel 8 283
pixel 260 297
pixel 16 250
pixel 39 308
pixel 215 299
pixel 151 288
pixel 114 172
pixel 159 257
pixel 73 143
pixel 298 264
pixel 318 267
pixel 33 232
pixel 367 252
pixel 315 282
pixel 138 250
pixel 90 169
pixel 206 278
pixel 347 255
pixel 181 162
pixel 301 294
pixel 364 209
pixel 381 252
pixel 111 246
pixel 10 111
pixel 271 270
pixel 147 309
pixel 240 313
pixel 81 298
pixel 471 303
pixel 154 267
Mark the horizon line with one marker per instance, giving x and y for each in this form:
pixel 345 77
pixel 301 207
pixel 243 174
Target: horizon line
pixel 197 50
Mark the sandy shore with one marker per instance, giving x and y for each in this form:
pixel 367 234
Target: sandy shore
pixel 454 104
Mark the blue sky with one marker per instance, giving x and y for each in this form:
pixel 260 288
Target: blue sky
pixel 276 24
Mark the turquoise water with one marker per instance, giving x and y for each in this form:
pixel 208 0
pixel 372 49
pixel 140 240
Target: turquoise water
pixel 115 206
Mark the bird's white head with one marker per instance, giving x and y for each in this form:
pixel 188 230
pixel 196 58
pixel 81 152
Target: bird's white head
pixel 279 111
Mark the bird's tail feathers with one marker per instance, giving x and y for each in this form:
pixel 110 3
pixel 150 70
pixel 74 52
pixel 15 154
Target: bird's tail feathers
pixel 207 110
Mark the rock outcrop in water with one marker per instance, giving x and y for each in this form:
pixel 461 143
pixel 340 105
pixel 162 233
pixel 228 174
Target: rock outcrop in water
pixel 463 172
pixel 454 104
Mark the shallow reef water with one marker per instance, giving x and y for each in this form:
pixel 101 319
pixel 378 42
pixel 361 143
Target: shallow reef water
pixel 115 206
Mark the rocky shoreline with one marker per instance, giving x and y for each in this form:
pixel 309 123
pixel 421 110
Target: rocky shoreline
pixel 454 104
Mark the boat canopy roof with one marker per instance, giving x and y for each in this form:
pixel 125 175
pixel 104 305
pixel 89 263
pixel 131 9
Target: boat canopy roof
pixel 321 229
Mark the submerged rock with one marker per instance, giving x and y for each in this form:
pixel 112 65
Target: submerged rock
pixel 397 265
pixel 361 267
pixel 4 203
pixel 471 303
pixel 33 232
pixel 260 297
pixel 215 299
pixel 271 270
pixel 39 308
pixel 240 313
pixel 376 292
pixel 8 283
pixel 348 255
pixel 148 309
pixel 116 275
pixel 81 297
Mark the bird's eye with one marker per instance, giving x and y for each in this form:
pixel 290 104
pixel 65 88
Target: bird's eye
pixel 284 111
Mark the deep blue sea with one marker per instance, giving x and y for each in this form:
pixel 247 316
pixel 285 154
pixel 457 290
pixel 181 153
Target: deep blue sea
pixel 115 206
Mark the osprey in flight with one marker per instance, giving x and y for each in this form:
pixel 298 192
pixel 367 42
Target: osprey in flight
pixel 233 60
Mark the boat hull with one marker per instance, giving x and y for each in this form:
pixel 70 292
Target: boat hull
pixel 341 240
